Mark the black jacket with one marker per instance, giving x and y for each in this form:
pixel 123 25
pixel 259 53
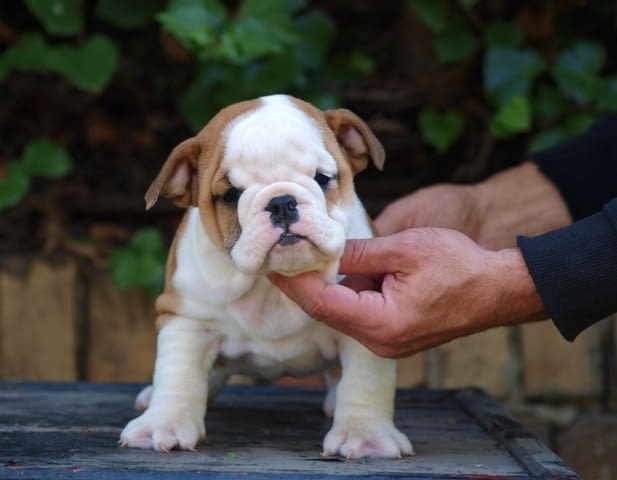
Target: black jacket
pixel 575 267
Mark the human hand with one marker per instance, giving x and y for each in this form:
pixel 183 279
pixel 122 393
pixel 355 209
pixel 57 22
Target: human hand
pixel 418 289
pixel 518 201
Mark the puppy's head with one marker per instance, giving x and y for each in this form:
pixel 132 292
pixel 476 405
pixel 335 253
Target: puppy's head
pixel 273 180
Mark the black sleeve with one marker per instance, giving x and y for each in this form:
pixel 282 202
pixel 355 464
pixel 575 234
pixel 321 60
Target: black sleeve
pixel 575 270
pixel 584 168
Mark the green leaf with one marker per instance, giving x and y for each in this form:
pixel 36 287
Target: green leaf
pixel 147 241
pixel 550 103
pixel 432 13
pixel 214 86
pixel 195 23
pixel 263 27
pixel 127 15
pixel 27 53
pixel 89 67
pixel 607 99
pixel 317 31
pixel 59 17
pixel 577 123
pixel 123 268
pixel 509 72
pixel 456 43
pixel 546 139
pixel 512 118
pixel 576 70
pixel 45 158
pixel 504 34
pixel 277 73
pixel 440 130
pixel 572 126
pixel 141 263
pixel 15 186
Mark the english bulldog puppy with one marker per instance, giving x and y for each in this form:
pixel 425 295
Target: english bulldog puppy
pixel 268 187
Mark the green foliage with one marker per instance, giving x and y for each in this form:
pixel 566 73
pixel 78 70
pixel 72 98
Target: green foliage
pixel 440 130
pixel 524 92
pixel 512 117
pixel 127 15
pixel 510 71
pixel 59 17
pixel 141 263
pixel 267 46
pixel 577 69
pixel 41 158
pixel 89 65
pixel 456 43
pixel 433 13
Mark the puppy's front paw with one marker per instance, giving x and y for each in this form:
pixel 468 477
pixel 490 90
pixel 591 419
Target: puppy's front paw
pixel 163 431
pixel 357 437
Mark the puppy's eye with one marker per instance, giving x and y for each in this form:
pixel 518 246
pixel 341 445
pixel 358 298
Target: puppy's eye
pixel 322 180
pixel 231 196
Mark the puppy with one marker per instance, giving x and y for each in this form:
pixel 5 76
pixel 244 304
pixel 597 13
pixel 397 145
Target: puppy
pixel 268 187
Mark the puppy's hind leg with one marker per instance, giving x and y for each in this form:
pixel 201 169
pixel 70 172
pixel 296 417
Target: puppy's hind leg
pixel 216 383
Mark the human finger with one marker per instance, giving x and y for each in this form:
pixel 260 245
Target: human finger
pixel 333 304
pixel 395 217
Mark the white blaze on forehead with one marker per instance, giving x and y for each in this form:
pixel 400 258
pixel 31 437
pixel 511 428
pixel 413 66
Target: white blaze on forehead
pixel 274 141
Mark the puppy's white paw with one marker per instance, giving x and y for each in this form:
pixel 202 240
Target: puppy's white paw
pixel 142 402
pixel 357 437
pixel 163 431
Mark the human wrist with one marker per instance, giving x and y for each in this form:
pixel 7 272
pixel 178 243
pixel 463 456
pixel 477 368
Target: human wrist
pixel 518 300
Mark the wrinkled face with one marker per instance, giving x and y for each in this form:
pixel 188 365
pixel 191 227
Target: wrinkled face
pixel 273 180
pixel 278 193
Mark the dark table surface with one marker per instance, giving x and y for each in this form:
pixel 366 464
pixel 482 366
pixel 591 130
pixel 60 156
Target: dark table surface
pixel 53 431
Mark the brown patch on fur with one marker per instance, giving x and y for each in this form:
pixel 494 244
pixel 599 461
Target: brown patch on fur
pixel 356 138
pixel 350 142
pixel 220 223
pixel 177 179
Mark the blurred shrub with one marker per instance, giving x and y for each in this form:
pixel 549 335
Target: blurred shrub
pixel 522 88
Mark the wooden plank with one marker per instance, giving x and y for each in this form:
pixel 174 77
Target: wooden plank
pixel 38 320
pixel 483 360
pixel 260 432
pixel 121 337
pixel 554 367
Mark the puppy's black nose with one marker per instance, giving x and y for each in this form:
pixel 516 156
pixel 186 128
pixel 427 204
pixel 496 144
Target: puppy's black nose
pixel 283 211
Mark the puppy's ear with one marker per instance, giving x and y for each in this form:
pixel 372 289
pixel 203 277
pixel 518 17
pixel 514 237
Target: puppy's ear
pixel 177 179
pixel 356 138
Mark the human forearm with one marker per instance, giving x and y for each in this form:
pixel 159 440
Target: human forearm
pixel 518 201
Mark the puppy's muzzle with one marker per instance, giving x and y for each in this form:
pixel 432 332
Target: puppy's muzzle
pixel 284 213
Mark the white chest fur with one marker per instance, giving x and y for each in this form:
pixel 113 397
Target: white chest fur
pixel 258 326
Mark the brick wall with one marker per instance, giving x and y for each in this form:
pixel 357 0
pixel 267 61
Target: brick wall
pixel 61 320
